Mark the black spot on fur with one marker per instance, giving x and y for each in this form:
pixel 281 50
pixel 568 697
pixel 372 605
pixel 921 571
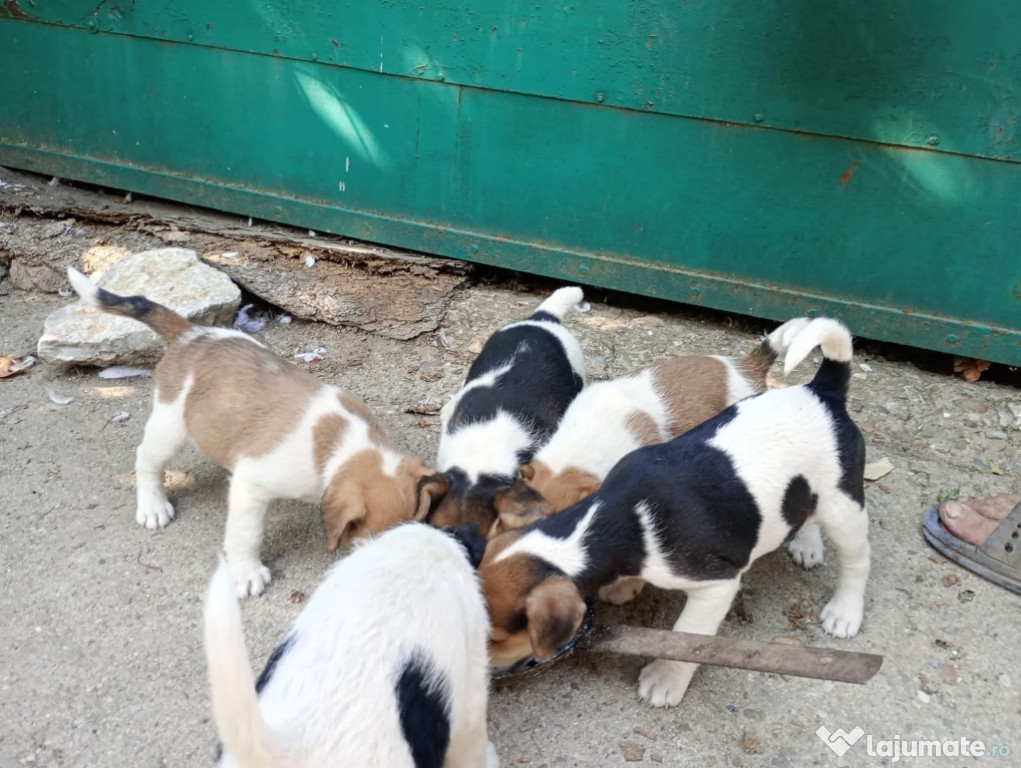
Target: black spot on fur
pixel 536 390
pixel 542 316
pixel 271 663
pixel 832 378
pixel 830 386
pixel 468 537
pixel 133 306
pixel 423 702
pixel 798 502
pixel 705 516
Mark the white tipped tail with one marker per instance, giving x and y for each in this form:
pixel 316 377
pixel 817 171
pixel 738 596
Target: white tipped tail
pixel 235 704
pixel 84 287
pixel 561 300
pixel 830 335
pixel 780 339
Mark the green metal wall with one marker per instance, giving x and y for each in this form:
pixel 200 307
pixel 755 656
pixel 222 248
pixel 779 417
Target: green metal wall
pixel 770 158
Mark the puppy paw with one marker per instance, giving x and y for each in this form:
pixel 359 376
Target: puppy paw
pixel 842 616
pixel 621 591
pixel 492 761
pixel 664 683
pixel 806 547
pixel 251 579
pixel 154 511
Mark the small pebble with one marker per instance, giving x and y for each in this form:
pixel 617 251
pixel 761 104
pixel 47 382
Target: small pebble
pixel 633 751
pixel 1004 680
pixel 996 434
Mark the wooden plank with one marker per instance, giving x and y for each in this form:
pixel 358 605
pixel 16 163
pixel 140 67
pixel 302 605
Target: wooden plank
pixel 802 661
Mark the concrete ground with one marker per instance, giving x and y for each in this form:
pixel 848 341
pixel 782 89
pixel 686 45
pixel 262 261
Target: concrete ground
pixel 100 647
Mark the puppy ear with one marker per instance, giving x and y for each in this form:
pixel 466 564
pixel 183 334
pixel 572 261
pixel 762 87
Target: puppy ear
pixel 466 535
pixel 526 471
pixel 518 505
pixel 586 489
pixel 555 611
pixel 342 509
pixel 430 491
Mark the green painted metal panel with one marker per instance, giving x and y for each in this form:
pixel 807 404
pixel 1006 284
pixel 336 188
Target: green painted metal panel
pixel 936 74
pixel 907 243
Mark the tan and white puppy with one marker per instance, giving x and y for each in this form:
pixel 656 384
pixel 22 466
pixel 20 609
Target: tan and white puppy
pixel 282 433
pixel 609 419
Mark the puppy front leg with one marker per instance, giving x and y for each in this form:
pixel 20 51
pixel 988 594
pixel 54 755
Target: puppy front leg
pixel 663 682
pixel 472 750
pixel 847 525
pixel 243 538
pixel 164 436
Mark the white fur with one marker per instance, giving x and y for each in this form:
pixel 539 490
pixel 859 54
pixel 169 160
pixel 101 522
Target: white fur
pixel 823 332
pixel 806 448
pixel 485 447
pixel 738 385
pixel 570 554
pixel 330 700
pixel 287 472
pixel 561 300
pixel 85 288
pixel 593 435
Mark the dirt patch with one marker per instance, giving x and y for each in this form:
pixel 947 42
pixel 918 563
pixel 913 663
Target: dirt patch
pixel 102 663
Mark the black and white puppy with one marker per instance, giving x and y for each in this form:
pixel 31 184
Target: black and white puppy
pixel 693 514
pixel 515 394
pixel 385 666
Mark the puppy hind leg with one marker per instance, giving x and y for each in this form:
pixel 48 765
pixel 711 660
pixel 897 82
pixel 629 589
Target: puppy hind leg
pixel 806 548
pixel 663 683
pixel 243 537
pixel 621 591
pixel 847 525
pixel 164 436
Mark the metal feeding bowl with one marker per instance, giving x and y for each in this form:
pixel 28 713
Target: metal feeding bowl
pixel 531 665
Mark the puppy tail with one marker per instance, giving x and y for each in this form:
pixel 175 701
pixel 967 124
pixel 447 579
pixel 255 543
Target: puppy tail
pixel 165 322
pixel 235 702
pixel 833 338
pixel 559 302
pixel 756 364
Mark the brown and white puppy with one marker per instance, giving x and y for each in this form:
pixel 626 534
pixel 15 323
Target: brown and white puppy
pixel 609 419
pixel 693 514
pixel 280 431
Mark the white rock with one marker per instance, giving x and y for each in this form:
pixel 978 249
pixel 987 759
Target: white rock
pixel 877 469
pixel 173 277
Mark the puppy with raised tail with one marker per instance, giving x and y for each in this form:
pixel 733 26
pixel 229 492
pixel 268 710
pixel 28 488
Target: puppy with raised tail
pixel 281 433
pixel 385 666
pixel 609 419
pixel 514 397
pixel 693 514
